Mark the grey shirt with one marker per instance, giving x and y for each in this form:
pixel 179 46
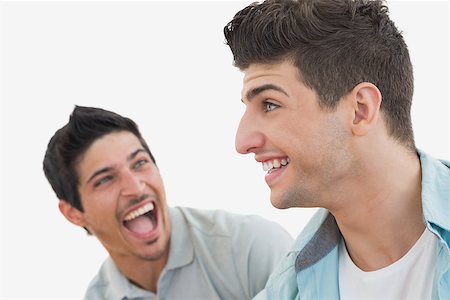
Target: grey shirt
pixel 213 255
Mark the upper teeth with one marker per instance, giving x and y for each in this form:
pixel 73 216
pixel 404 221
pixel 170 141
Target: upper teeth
pixel 275 163
pixel 139 212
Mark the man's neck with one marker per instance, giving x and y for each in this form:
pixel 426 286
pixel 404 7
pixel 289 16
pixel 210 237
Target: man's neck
pixel 382 219
pixel 141 272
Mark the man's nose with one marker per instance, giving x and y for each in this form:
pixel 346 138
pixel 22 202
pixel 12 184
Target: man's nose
pixel 248 136
pixel 132 184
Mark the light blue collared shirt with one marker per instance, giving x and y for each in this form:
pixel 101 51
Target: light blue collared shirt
pixel 311 268
pixel 213 255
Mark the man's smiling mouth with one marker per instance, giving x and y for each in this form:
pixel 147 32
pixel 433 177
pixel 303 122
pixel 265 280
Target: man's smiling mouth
pixel 276 163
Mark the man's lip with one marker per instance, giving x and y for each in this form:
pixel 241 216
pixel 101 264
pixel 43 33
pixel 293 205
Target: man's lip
pixel 266 157
pixel 139 205
pixel 152 235
pixel 272 176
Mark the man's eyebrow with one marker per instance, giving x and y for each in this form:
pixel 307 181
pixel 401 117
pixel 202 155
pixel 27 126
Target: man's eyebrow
pixel 108 169
pixel 98 172
pixel 134 153
pixel 258 90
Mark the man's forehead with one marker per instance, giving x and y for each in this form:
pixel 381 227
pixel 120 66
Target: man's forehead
pixel 255 71
pixel 113 142
pixel 108 150
pixel 261 76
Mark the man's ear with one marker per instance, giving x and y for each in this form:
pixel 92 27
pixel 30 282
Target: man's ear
pixel 366 102
pixel 73 214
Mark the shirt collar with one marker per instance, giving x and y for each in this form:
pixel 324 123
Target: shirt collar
pixel 119 287
pixel 435 190
pixel 181 248
pixel 322 234
pixel 324 239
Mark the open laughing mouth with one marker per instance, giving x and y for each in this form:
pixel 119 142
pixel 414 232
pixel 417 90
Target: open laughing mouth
pixel 142 221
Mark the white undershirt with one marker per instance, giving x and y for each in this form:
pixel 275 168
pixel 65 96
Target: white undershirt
pixel 411 277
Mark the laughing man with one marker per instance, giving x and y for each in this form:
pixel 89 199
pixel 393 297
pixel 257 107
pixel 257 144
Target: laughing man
pixel 106 179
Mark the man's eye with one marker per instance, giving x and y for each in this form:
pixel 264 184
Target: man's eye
pixel 269 106
pixel 102 180
pixel 140 163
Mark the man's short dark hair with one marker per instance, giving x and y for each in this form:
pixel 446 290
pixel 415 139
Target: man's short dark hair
pixel 335 44
pixel 67 146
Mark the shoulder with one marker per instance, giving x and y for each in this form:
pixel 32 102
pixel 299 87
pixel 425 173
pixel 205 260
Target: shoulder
pixel 433 167
pixel 97 287
pixel 435 192
pixel 282 283
pixel 220 222
pixel 261 232
pixel 109 283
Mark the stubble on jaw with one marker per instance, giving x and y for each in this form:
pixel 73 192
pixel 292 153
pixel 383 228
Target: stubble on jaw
pixel 335 163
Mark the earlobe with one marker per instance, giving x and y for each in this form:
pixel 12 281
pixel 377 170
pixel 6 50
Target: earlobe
pixel 366 99
pixel 71 213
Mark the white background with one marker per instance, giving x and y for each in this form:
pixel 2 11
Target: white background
pixel 166 66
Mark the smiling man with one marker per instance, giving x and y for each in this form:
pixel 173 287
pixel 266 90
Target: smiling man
pixel 107 181
pixel 328 86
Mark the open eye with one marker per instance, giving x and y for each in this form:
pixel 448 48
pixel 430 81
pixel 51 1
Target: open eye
pixel 269 106
pixel 140 163
pixel 102 180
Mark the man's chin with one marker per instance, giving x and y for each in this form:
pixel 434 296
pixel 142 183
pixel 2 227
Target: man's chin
pixel 156 254
pixel 283 200
pixel 277 203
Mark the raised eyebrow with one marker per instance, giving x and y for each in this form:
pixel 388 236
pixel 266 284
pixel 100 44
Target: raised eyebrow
pixel 252 93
